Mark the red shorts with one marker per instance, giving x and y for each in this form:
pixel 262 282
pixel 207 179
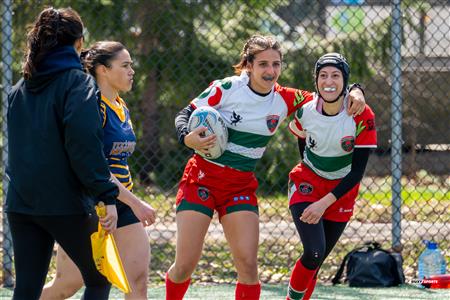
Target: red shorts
pixel 206 187
pixel 307 186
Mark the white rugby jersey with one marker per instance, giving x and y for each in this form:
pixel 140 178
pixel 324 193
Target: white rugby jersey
pixel 251 119
pixel 330 140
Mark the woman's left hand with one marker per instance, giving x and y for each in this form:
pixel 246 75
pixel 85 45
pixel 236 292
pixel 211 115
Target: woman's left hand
pixel 356 103
pixel 313 213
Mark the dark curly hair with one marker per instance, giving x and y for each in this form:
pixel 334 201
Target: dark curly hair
pixel 53 28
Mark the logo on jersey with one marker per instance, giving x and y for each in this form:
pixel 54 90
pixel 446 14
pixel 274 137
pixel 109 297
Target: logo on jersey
pixel 299 113
pixel 126 147
pixel 201 175
pixel 347 143
pixel 272 122
pixel 360 127
pixel 215 99
pixel 311 143
pixel 305 188
pixel 370 124
pixel 298 98
pixel 203 193
pixel 235 118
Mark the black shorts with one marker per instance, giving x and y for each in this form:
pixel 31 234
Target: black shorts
pixel 125 215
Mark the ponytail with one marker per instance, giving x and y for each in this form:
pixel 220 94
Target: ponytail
pixel 53 28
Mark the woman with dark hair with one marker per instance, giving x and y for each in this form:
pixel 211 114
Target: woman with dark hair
pixel 56 165
pixel 323 187
pixel 111 65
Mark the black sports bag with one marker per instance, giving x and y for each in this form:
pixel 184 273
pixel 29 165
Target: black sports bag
pixel 371 266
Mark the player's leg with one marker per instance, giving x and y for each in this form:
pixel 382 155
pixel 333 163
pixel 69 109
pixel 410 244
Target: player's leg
pixel 195 208
pixel 67 280
pixel 73 234
pixel 333 231
pixel 191 230
pixel 33 247
pixel 133 245
pixel 241 230
pixel 312 237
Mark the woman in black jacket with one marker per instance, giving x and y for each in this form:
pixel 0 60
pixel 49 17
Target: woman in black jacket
pixel 56 165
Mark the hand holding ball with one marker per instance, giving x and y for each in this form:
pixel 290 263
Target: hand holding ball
pixel 210 118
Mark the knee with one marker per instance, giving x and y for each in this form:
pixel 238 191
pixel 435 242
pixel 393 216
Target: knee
pixel 70 289
pixel 138 281
pixel 247 266
pixel 60 288
pixel 181 271
pixel 313 258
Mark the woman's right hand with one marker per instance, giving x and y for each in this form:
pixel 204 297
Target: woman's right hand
pixel 144 212
pixel 109 222
pixel 196 141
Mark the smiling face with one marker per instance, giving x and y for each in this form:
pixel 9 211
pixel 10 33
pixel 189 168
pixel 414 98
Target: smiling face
pixel 119 75
pixel 330 83
pixel 264 70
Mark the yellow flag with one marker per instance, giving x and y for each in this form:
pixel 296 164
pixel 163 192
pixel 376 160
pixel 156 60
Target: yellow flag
pixel 106 256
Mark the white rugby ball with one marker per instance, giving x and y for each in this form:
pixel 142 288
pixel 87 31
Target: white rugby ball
pixel 210 118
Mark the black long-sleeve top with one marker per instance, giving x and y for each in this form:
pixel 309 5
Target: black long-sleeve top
pixel 181 121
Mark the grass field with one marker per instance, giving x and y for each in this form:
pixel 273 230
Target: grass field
pixel 278 292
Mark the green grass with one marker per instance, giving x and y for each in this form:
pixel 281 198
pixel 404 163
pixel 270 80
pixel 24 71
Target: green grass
pixel 410 195
pixel 277 292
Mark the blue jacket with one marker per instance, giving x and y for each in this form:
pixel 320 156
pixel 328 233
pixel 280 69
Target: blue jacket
pixel 56 164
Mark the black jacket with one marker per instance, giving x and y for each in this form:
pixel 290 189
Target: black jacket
pixel 56 164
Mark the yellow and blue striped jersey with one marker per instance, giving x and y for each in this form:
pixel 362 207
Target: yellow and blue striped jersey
pixel 119 139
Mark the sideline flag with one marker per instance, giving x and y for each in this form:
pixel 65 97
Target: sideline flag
pixel 106 256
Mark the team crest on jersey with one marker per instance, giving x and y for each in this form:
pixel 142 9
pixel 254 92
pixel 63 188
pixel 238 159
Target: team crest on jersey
pixel 272 122
pixel 347 143
pixel 203 193
pixel 305 188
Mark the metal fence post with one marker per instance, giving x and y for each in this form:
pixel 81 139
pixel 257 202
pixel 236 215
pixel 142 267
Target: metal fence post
pixel 396 121
pixel 6 85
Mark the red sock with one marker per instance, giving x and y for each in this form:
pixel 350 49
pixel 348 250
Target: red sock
pixel 310 289
pixel 300 279
pixel 176 291
pixel 247 291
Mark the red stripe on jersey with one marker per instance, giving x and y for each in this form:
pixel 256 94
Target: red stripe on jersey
pixel 293 98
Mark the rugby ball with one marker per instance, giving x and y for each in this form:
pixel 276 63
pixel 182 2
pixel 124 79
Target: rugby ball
pixel 210 118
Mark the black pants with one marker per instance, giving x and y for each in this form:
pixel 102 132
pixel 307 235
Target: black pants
pixel 33 241
pixel 318 239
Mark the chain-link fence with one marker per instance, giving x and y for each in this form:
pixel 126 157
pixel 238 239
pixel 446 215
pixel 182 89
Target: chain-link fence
pixel 401 54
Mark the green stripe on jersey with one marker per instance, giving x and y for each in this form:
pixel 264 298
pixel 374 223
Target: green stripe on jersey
pixel 249 140
pixel 329 164
pixel 236 161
